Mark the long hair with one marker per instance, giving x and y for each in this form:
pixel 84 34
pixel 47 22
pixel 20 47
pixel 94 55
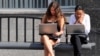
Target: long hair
pixel 58 12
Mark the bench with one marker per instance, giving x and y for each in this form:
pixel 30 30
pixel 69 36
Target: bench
pixel 67 49
pixel 60 49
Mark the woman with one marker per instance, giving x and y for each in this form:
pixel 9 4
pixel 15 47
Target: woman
pixel 53 15
pixel 80 17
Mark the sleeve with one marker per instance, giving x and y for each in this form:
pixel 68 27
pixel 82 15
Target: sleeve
pixel 71 20
pixel 87 25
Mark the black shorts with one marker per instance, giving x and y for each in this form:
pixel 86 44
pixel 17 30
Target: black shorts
pixel 53 37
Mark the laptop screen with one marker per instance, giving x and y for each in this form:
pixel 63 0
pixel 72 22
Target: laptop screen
pixel 75 29
pixel 47 28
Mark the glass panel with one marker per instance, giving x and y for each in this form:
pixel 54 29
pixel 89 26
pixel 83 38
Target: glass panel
pixel 33 3
pixel 66 3
pixel 1 4
pixel 20 4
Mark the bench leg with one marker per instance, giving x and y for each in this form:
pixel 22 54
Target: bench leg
pixel 64 53
pixel 70 53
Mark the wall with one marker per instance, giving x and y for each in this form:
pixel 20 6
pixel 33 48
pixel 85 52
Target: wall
pixel 93 9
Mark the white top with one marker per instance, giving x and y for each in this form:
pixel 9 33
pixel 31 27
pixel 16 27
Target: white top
pixel 86 22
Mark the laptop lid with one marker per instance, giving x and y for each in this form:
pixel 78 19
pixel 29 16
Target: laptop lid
pixel 75 29
pixel 47 28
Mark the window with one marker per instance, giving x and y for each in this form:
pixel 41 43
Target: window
pixel 66 3
pixel 23 3
pixel 34 3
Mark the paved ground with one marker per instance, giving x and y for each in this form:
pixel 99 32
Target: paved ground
pixel 18 52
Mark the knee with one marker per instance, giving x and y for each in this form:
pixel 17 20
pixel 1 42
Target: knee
pixel 44 37
pixel 74 39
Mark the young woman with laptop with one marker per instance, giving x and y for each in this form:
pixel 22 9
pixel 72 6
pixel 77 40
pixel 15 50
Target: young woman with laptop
pixel 80 17
pixel 52 15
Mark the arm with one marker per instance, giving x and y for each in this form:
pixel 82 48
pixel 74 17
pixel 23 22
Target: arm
pixel 43 19
pixel 87 24
pixel 61 23
pixel 79 19
pixel 74 20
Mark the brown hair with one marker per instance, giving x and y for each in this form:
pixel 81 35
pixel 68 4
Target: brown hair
pixel 58 12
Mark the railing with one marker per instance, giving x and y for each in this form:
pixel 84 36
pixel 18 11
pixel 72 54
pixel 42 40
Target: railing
pixel 5 26
pixel 23 3
pixel 33 3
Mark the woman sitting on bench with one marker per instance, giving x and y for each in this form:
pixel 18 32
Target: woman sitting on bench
pixel 53 15
pixel 80 17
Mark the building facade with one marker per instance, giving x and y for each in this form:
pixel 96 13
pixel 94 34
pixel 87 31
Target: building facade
pixel 38 7
pixel 34 6
pixel 10 4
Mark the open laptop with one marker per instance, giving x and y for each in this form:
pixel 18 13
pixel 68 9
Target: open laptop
pixel 75 29
pixel 47 28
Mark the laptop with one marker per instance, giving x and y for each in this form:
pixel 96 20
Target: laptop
pixel 48 28
pixel 75 29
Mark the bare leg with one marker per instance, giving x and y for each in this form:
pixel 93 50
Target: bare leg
pixel 48 45
pixel 46 52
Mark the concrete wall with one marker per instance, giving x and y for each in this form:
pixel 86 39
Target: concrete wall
pixel 92 7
